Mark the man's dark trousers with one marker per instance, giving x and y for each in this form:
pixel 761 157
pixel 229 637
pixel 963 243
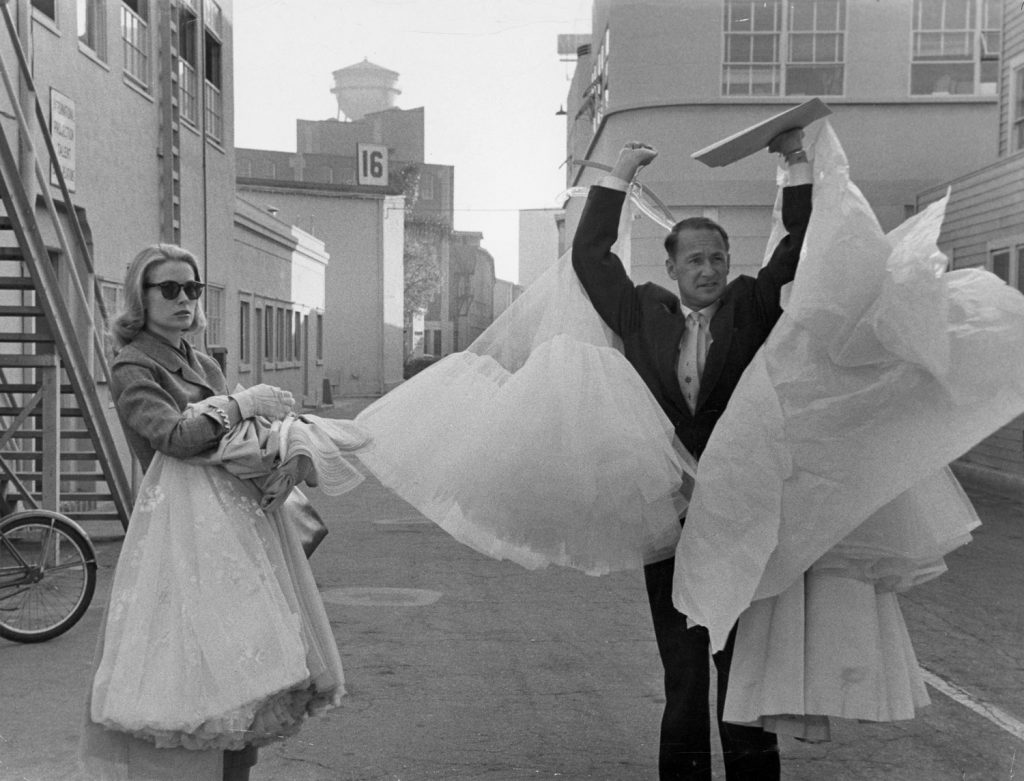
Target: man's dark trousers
pixel 751 754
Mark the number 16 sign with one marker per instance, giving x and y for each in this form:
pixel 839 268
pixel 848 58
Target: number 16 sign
pixel 372 164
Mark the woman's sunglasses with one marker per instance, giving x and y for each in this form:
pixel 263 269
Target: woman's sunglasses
pixel 170 290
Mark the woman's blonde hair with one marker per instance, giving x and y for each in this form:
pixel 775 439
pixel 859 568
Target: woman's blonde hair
pixel 132 317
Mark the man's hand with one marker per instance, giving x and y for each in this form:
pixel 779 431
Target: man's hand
pixel 632 158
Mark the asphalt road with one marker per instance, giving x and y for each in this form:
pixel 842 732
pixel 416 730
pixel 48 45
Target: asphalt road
pixel 463 668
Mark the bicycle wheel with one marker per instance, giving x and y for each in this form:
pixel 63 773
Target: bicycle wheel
pixel 47 577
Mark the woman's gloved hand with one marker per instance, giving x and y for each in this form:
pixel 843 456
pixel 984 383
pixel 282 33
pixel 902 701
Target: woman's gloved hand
pixel 267 401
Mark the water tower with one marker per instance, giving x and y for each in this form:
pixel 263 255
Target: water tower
pixel 364 88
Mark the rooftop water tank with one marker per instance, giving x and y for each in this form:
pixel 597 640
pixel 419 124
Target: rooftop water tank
pixel 364 88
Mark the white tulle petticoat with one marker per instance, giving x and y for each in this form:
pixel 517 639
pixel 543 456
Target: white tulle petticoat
pixel 540 444
pixel 216 637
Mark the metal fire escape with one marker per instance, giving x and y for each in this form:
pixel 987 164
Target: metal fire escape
pixel 56 447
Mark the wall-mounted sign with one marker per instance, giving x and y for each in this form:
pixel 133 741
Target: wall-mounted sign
pixel 372 164
pixel 62 130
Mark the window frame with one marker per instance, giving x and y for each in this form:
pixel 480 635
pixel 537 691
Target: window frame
pixel 113 302
pixel 1016 104
pixel 213 72
pixel 188 64
pixel 92 16
pixel 136 55
pixel 245 310
pixel 978 29
pixel 1012 247
pixel 215 315
pixel 781 66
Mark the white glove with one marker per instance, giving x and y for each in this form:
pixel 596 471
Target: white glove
pixel 266 401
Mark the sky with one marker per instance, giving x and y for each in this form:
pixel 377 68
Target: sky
pixel 486 72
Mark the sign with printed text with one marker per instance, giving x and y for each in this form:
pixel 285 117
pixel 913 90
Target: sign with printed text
pixel 373 164
pixel 62 130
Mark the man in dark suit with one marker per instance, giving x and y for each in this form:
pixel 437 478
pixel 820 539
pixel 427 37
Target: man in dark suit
pixel 691 355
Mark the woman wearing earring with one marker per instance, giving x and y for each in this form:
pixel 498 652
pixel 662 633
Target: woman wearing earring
pixel 215 640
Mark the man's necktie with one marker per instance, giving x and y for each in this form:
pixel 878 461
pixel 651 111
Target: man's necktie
pixel 691 357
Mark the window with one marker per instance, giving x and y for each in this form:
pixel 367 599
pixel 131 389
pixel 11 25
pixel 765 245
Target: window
pixel 1020 267
pixel 319 336
pixel 135 39
pixel 297 338
pixel 92 26
pixel 46 7
pixel 1001 264
pixel 268 334
pixel 244 333
pixel 188 60
pixel 598 94
pixel 283 342
pixel 1006 261
pixel 214 315
pixel 956 47
pixel 214 75
pixel 784 47
pixel 112 294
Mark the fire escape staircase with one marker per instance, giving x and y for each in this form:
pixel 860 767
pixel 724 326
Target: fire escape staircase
pixel 57 450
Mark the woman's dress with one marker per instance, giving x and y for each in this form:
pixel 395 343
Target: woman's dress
pixel 216 635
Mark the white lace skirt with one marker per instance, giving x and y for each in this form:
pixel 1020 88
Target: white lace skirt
pixel 216 636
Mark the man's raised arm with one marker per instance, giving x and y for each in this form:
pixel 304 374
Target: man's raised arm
pixel 599 270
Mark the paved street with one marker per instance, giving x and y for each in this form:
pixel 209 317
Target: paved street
pixel 462 668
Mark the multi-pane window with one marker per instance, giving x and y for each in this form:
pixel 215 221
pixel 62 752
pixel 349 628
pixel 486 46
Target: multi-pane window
pixel 955 47
pixel 214 315
pixel 92 26
pixel 135 39
pixel 244 333
pixel 213 76
pixel 188 61
pixel 784 47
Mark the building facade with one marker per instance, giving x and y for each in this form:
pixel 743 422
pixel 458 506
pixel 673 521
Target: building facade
pixel 138 97
pixel 360 342
pixel 984 228
pixel 912 84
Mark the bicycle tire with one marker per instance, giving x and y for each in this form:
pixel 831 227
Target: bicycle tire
pixel 63 586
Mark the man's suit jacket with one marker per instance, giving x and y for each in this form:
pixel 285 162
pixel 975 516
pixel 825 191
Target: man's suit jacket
pixel 151 384
pixel 650 321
